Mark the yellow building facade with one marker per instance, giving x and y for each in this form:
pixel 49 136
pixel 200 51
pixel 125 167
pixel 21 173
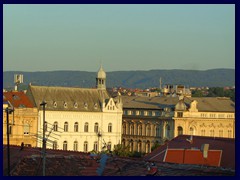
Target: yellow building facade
pixel 22 121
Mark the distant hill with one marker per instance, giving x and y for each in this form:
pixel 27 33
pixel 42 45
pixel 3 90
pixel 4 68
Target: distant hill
pixel 128 79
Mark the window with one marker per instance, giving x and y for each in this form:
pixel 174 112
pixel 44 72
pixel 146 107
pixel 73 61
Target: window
pixel 179 114
pixel 139 146
pixel 180 130
pixel 55 145
pixel 229 133
pixel 26 129
pixel 65 145
pixel 75 105
pixel 85 146
pixel 66 127
pixel 131 145
pixel 124 129
pixel 110 127
pixel 65 105
pixel 148 147
pixel 191 131
pixel 10 129
pixel 148 130
pixel 221 133
pixel 212 132
pixel 45 126
pixel 55 126
pixel 157 131
pixel 86 127
pixel 75 146
pixel 131 129
pixel 109 146
pixel 96 127
pixel 139 129
pixel 203 132
pixel 55 104
pixel 76 127
pixel 95 146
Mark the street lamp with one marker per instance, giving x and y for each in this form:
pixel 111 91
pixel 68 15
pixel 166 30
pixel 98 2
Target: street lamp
pixel 8 111
pixel 43 104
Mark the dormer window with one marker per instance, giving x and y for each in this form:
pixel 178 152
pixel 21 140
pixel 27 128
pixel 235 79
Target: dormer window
pixel 65 105
pixel 55 104
pixel 75 105
pixel 85 105
pixel 95 106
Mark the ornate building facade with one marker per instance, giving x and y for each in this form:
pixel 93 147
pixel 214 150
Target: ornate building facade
pixel 22 121
pixel 147 121
pixel 78 119
pixel 206 116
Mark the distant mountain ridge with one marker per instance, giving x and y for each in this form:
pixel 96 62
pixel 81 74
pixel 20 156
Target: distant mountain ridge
pixel 127 79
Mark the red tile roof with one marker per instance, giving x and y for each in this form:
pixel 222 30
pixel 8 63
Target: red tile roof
pixel 17 99
pixel 226 145
pixel 189 156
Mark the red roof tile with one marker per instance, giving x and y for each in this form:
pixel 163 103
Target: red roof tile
pixel 17 99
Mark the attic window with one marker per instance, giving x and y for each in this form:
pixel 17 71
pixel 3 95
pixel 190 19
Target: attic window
pixel 15 97
pixel 55 104
pixel 75 105
pixel 22 106
pixel 65 105
pixel 95 106
pixel 85 105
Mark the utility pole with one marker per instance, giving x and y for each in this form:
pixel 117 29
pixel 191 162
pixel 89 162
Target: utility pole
pixel 44 139
pixel 8 111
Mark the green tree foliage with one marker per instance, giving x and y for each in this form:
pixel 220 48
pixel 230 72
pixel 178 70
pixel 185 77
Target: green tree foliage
pixel 121 150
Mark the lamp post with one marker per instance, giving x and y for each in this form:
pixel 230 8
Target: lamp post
pixel 8 111
pixel 44 139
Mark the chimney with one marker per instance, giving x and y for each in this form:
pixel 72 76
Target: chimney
pixel 204 150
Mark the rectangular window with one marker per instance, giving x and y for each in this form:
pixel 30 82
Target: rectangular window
pixel 179 114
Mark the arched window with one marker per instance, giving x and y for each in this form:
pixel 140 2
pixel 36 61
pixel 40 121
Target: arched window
pixel 203 132
pixel 148 130
pixel 66 127
pixel 65 145
pixel 85 146
pixel 110 127
pixel 139 146
pixel 139 129
pixel 75 146
pixel 86 127
pixel 212 132
pixel 167 131
pixel 109 146
pixel 229 133
pixel 148 147
pixel 191 131
pixel 221 133
pixel 157 131
pixel 180 130
pixel 26 129
pixel 124 129
pixel 131 129
pixel 55 145
pixel 55 126
pixel 96 127
pixel 76 127
pixel 131 145
pixel 123 142
pixel 95 146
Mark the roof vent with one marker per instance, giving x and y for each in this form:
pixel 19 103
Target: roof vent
pixel 65 105
pixel 75 105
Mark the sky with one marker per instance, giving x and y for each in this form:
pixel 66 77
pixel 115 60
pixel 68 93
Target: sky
pixel 125 37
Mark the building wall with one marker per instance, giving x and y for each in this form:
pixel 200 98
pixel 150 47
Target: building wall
pixel 102 118
pixel 214 124
pixel 19 134
pixel 154 129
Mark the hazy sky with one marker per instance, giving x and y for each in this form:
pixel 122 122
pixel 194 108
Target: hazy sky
pixel 122 37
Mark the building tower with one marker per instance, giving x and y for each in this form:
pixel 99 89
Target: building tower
pixel 101 79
